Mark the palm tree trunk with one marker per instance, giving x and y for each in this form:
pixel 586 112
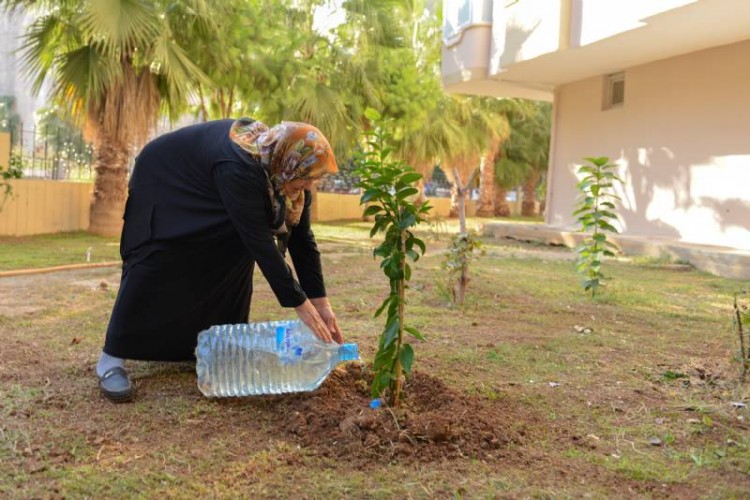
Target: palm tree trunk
pixel 110 188
pixel 486 203
pixel 528 206
pixel 502 209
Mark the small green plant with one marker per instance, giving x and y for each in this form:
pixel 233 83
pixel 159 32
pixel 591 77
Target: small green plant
pixel 595 212
pixel 741 327
pixel 387 187
pixel 14 171
pixel 462 250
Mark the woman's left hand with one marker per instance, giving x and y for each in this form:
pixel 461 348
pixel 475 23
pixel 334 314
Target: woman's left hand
pixel 323 306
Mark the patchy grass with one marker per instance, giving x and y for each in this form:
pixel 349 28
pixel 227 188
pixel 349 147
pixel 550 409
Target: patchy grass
pixel 55 250
pixel 633 391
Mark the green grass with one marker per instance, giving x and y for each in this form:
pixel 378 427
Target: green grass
pixel 595 399
pixel 55 250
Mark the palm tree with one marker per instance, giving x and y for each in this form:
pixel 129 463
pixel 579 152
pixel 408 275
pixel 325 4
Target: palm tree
pixel 490 192
pixel 114 65
pixel 482 128
pixel 526 152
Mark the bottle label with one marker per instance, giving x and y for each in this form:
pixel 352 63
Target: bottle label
pixel 287 345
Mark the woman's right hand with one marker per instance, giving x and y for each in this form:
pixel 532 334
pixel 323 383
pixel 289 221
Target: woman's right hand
pixel 310 317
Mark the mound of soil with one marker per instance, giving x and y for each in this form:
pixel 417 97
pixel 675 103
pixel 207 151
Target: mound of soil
pixel 433 422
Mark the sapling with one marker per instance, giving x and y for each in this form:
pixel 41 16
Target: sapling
pixel 463 246
pixel 741 326
pixel 387 188
pixel 595 212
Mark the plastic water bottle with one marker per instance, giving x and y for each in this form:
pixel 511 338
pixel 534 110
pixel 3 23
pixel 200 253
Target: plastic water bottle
pixel 265 358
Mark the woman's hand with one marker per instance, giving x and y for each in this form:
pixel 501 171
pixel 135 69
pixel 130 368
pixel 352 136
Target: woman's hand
pixel 310 317
pixel 323 306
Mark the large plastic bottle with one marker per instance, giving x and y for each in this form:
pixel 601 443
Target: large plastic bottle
pixel 265 358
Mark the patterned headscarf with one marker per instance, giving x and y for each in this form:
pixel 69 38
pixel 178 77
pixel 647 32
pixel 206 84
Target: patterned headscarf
pixel 287 151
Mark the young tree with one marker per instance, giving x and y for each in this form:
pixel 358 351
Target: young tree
pixel 387 186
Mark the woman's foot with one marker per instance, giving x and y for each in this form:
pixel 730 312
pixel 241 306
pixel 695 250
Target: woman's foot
pixel 116 386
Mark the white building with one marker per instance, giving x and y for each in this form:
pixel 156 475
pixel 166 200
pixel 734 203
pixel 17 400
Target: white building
pixel 12 80
pixel 662 87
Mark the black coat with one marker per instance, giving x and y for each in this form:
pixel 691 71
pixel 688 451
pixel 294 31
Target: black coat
pixel 197 218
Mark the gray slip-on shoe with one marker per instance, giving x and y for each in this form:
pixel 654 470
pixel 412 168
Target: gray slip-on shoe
pixel 116 386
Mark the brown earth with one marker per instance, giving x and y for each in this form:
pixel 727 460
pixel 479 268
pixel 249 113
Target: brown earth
pixel 433 422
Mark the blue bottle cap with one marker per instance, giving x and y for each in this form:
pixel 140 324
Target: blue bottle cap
pixel 348 352
pixel 279 337
pixel 376 403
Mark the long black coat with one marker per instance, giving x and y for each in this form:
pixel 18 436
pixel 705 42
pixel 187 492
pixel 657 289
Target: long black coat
pixel 197 219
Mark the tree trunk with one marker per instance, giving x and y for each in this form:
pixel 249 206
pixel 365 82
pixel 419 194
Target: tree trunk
pixel 502 209
pixel 398 369
pixel 528 206
pixel 486 203
pixel 110 188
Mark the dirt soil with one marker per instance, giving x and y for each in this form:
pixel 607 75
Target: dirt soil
pixel 433 422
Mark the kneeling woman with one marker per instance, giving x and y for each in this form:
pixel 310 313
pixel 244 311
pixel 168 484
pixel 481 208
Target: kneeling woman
pixel 205 203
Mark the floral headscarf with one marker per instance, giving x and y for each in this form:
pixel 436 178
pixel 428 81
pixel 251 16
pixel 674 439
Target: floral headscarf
pixel 287 151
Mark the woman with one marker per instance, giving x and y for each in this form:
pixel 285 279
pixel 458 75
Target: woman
pixel 205 203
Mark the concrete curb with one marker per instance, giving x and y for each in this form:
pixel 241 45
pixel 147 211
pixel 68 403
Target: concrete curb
pixel 67 267
pixel 721 261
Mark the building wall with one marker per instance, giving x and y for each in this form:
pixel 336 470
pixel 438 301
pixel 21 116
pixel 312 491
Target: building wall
pixel 13 82
pixel 682 142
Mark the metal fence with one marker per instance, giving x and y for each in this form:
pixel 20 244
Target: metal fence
pixel 52 153
pixel 58 153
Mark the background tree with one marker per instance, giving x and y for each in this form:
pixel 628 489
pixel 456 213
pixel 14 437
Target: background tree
pixel 481 126
pixel 114 65
pixel 526 153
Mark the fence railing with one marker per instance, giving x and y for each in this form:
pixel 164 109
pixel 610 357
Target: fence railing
pixel 58 153
pixel 49 152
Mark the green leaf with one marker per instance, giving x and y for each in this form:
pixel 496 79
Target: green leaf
pixel 607 226
pixel 414 332
pixel 420 244
pixel 383 306
pixel 409 178
pixel 406 356
pixel 586 169
pixel 407 221
pixel 599 161
pixel 391 332
pixel 371 194
pixel 406 192
pixel 379 383
pixel 372 210
pixel 372 114
pixel 414 256
pixel 426 207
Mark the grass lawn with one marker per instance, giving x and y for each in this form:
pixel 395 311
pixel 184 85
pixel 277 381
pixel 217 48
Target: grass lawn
pixel 29 252
pixel 635 393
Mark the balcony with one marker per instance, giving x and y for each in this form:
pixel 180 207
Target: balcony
pixel 525 48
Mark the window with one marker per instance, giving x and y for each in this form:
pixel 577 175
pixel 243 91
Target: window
pixel 461 14
pixel 614 91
